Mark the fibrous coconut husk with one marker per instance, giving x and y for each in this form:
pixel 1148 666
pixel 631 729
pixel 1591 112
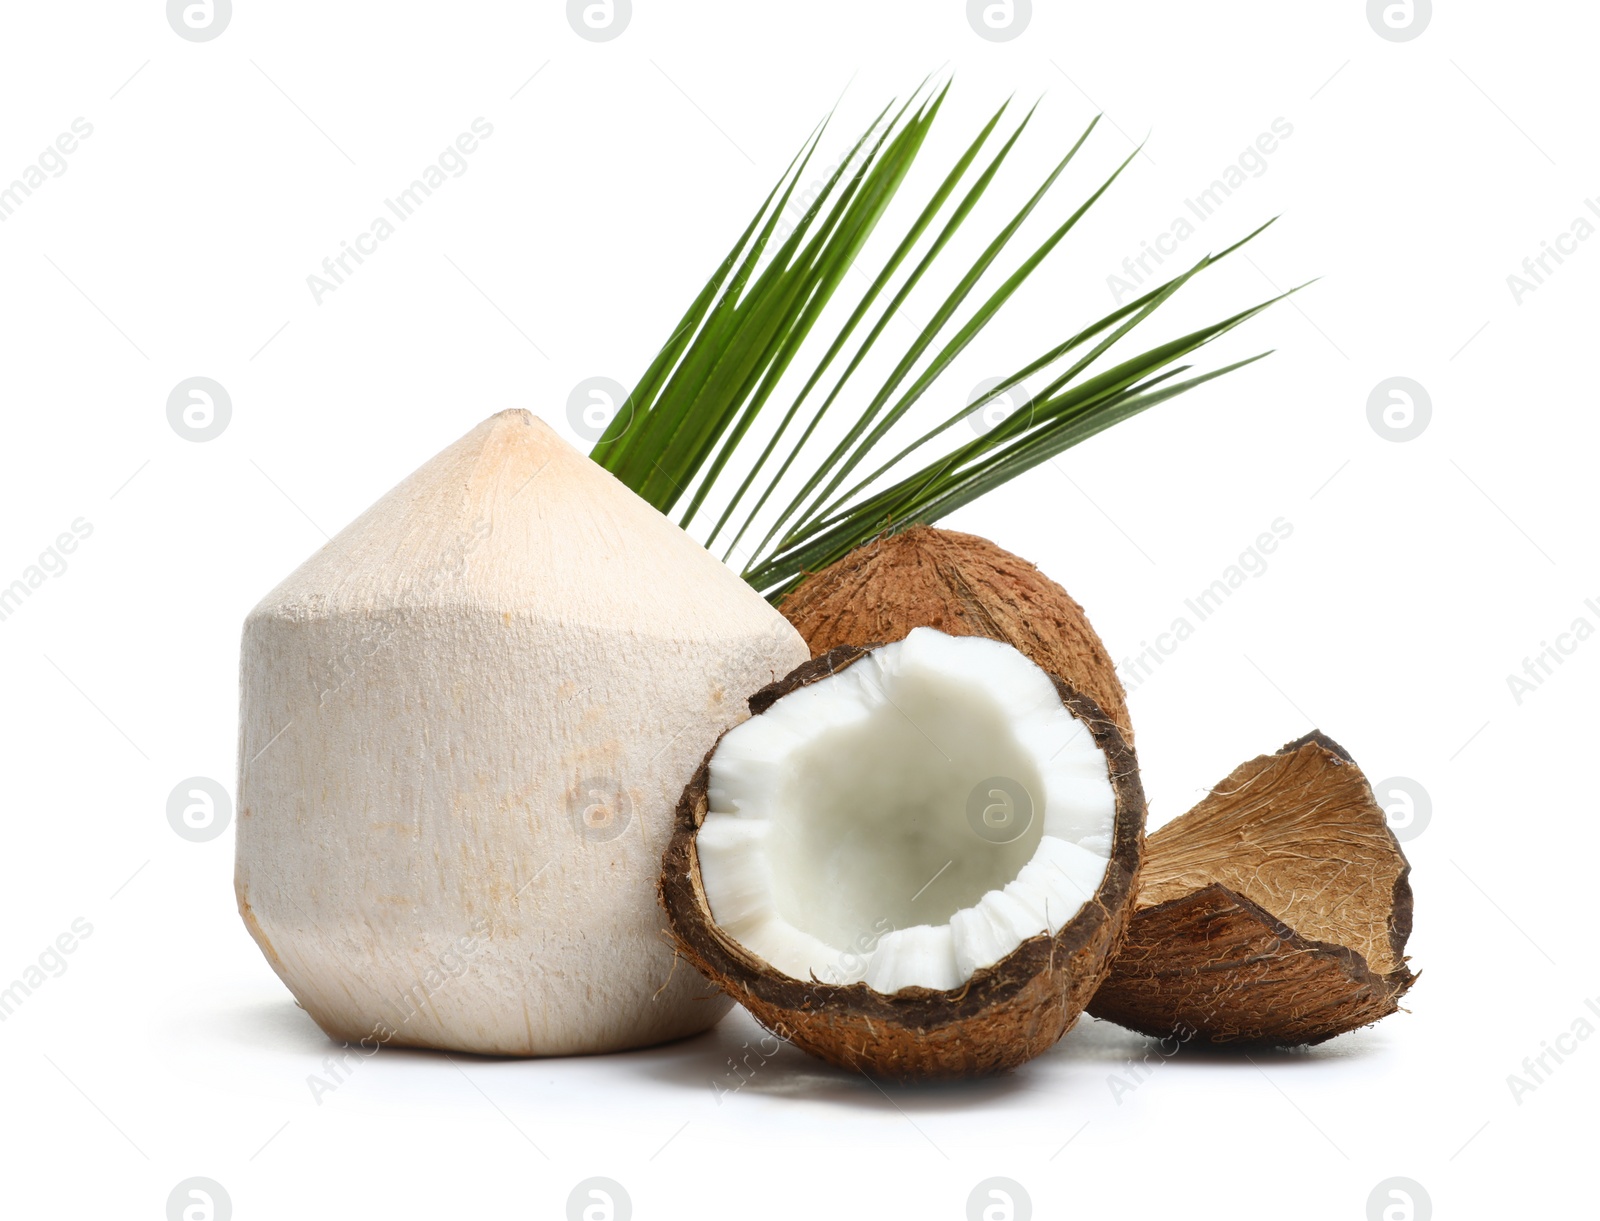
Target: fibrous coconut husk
pixel 1001 1017
pixel 964 586
pixel 1277 910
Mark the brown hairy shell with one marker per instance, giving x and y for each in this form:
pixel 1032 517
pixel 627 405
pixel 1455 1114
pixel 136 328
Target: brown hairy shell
pixel 1002 1016
pixel 964 586
pixel 1277 910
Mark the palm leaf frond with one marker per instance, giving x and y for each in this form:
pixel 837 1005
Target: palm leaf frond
pixel 691 419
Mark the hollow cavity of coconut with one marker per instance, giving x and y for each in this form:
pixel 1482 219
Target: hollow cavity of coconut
pixel 964 586
pixel 465 724
pixel 915 859
pixel 1277 910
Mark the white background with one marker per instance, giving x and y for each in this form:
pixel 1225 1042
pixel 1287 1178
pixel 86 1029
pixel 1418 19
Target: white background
pixel 1419 575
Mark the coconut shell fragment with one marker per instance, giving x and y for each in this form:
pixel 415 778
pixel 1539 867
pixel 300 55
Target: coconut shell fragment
pixel 998 1018
pixel 1276 911
pixel 964 586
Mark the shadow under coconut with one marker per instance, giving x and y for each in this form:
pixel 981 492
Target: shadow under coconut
pixel 279 1025
pixel 285 1026
pixel 739 1055
pixel 1095 1040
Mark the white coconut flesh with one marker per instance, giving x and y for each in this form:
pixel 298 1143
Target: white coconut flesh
pixel 907 821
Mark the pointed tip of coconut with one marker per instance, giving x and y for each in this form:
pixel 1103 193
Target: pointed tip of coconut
pixel 511 419
pixel 512 517
pixel 514 437
pixel 963 585
pixel 519 422
pixel 1275 911
pixel 518 415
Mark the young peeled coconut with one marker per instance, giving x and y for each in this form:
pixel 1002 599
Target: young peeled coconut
pixel 1277 910
pixel 965 586
pixel 465 724
pixel 914 860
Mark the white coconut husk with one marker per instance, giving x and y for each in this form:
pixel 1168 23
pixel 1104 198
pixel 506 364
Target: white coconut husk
pixel 465 723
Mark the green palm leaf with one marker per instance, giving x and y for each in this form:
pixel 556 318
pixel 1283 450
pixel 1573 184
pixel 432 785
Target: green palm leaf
pixel 693 417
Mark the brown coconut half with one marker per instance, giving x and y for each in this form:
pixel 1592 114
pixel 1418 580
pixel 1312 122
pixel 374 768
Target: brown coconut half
pixel 1275 911
pixel 1001 1014
pixel 965 586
